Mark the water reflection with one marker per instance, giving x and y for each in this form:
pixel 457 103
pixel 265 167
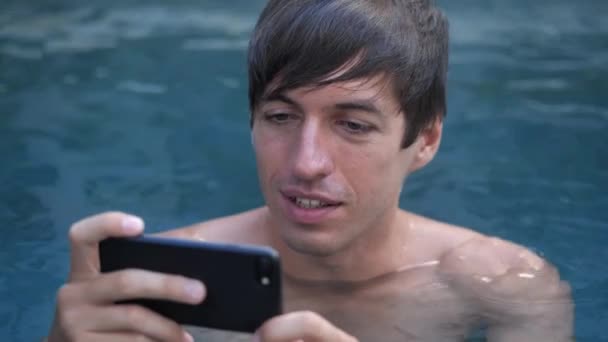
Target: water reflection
pixel 141 107
pixel 89 28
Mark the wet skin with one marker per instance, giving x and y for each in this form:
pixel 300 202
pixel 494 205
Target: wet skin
pixel 372 269
pixel 356 266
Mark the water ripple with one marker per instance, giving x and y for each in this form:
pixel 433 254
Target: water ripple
pixel 141 87
pixel 538 84
pixel 215 44
pixel 87 29
pixel 20 52
pixel 568 108
pixel 495 24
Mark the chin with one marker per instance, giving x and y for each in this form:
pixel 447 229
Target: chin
pixel 319 244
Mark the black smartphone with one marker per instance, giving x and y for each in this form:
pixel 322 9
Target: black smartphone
pixel 243 282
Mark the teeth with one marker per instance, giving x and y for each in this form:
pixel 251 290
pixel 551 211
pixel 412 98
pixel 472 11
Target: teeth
pixel 309 203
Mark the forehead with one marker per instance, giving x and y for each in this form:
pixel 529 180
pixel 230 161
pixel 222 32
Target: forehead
pixel 371 87
pixel 377 89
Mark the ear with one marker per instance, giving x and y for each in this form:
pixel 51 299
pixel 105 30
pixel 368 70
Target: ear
pixel 426 145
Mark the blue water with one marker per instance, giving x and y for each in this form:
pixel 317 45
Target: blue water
pixel 141 106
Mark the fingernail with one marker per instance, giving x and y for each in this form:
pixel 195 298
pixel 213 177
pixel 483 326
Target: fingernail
pixel 132 224
pixel 188 337
pixel 194 290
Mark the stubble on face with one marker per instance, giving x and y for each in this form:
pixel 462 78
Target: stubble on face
pixel 367 174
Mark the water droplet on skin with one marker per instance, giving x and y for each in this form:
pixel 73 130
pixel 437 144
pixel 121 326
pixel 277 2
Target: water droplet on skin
pixel 485 279
pixel 526 275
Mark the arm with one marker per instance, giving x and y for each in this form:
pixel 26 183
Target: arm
pixel 86 309
pixel 548 319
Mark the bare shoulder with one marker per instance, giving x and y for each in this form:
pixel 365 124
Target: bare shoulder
pixel 439 236
pixel 444 239
pixel 245 227
pixel 504 280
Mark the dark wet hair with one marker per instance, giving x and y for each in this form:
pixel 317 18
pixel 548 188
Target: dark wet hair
pixel 304 42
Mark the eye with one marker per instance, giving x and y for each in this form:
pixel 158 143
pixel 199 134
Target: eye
pixel 355 127
pixel 278 118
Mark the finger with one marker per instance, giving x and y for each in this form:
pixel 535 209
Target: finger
pixel 116 337
pixel 138 284
pixel 127 337
pixel 86 234
pixel 303 325
pixel 136 320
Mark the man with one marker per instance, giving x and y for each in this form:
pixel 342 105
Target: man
pixel 347 99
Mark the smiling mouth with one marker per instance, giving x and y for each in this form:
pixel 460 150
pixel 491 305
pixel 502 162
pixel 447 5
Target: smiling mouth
pixel 307 203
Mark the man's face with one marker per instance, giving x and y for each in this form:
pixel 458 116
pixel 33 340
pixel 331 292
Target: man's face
pixel 330 163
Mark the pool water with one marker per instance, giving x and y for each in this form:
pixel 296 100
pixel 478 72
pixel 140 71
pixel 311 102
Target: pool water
pixel 141 107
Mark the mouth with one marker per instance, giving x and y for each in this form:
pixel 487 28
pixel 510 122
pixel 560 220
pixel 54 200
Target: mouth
pixel 309 208
pixel 310 203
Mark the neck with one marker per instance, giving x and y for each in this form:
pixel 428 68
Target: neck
pixel 377 251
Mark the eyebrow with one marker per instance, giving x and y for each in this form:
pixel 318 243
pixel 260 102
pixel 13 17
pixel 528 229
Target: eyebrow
pixel 360 105
pixel 281 97
pixel 363 105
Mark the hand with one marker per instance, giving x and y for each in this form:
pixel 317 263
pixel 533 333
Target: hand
pixel 519 294
pixel 85 304
pixel 301 326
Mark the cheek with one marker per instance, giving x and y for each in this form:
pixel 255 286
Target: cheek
pixel 270 152
pixel 376 175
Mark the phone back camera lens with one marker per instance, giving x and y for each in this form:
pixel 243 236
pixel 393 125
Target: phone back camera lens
pixel 264 271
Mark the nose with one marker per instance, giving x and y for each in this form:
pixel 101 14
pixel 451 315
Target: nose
pixel 311 158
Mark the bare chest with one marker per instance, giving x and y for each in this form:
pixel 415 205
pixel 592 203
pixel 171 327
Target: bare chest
pixel 390 309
